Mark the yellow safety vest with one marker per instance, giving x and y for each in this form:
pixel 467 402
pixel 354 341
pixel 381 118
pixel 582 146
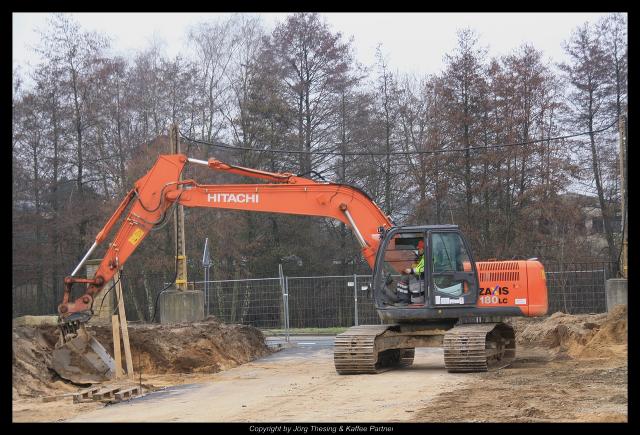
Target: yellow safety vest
pixel 418 267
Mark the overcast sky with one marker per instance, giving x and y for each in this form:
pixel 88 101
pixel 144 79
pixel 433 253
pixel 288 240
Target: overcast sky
pixel 413 42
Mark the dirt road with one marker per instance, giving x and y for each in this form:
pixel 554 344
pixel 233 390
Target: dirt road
pixel 304 387
pixel 293 386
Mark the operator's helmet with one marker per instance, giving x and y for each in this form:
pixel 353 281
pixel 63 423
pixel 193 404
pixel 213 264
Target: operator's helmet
pixel 420 244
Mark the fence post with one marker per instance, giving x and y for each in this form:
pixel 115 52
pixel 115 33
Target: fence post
pixel 286 307
pixel 206 263
pixel 206 289
pixel 285 304
pixel 355 297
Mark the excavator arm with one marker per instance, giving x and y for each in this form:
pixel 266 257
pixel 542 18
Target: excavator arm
pixel 160 188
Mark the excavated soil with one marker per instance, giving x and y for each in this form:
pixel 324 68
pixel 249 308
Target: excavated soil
pixel 569 368
pixel 200 348
pixel 32 347
pixel 579 336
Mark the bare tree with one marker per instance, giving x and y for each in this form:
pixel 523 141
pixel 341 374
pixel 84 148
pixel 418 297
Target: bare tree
pixel 587 74
pixel 29 146
pixel 76 54
pixel 388 112
pixel 416 124
pixel 313 63
pixel 463 80
pixel 215 44
pixel 612 31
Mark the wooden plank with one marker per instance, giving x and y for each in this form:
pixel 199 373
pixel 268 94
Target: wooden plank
pixel 115 325
pixel 58 397
pixel 124 328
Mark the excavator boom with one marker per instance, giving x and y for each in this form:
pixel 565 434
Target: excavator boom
pixel 160 188
pixel 78 356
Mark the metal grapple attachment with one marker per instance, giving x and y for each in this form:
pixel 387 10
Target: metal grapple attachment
pixel 79 357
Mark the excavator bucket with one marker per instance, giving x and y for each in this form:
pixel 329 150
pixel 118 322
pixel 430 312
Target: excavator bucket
pixel 82 359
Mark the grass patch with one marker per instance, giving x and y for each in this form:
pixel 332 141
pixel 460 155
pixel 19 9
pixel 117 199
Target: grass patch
pixel 306 331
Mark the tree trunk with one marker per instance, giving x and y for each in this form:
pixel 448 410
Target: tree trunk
pixel 467 159
pixel 82 228
pixel 307 133
pixel 149 296
pixel 303 168
pixel 121 156
pixel 37 251
pixel 387 169
pixel 613 257
pixel 56 295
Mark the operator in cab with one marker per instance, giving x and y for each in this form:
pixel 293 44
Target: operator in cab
pixel 417 268
pixel 414 288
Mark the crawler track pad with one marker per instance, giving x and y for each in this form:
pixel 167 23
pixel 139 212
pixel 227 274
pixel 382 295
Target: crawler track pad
pixel 361 349
pixel 479 347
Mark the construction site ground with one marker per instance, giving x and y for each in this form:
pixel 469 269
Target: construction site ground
pixel 569 368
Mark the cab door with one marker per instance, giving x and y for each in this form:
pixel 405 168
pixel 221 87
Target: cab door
pixel 453 275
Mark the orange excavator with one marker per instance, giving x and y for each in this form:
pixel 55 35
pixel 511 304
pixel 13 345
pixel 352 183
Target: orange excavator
pixel 454 302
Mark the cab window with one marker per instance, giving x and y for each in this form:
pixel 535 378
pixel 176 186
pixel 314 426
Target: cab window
pixel 448 256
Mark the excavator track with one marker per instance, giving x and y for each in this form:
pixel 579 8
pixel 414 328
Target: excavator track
pixel 358 350
pixel 479 347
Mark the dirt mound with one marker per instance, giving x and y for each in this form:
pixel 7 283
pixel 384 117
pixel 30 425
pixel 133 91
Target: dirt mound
pixel 578 336
pixel 31 358
pixel 204 347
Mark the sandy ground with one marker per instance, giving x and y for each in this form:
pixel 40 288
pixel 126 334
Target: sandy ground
pixel 538 387
pixel 567 369
pixel 305 388
pixel 299 388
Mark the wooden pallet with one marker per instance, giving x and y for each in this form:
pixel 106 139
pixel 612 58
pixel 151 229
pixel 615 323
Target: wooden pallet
pixel 128 393
pixel 113 393
pixel 85 395
pixel 106 393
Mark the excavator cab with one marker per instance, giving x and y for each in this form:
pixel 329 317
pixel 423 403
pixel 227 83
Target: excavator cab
pixel 450 277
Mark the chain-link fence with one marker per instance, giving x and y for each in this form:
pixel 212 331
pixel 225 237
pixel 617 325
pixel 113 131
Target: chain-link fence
pixel 578 288
pixel 256 302
pixel 343 301
pixel 291 302
pixel 323 301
